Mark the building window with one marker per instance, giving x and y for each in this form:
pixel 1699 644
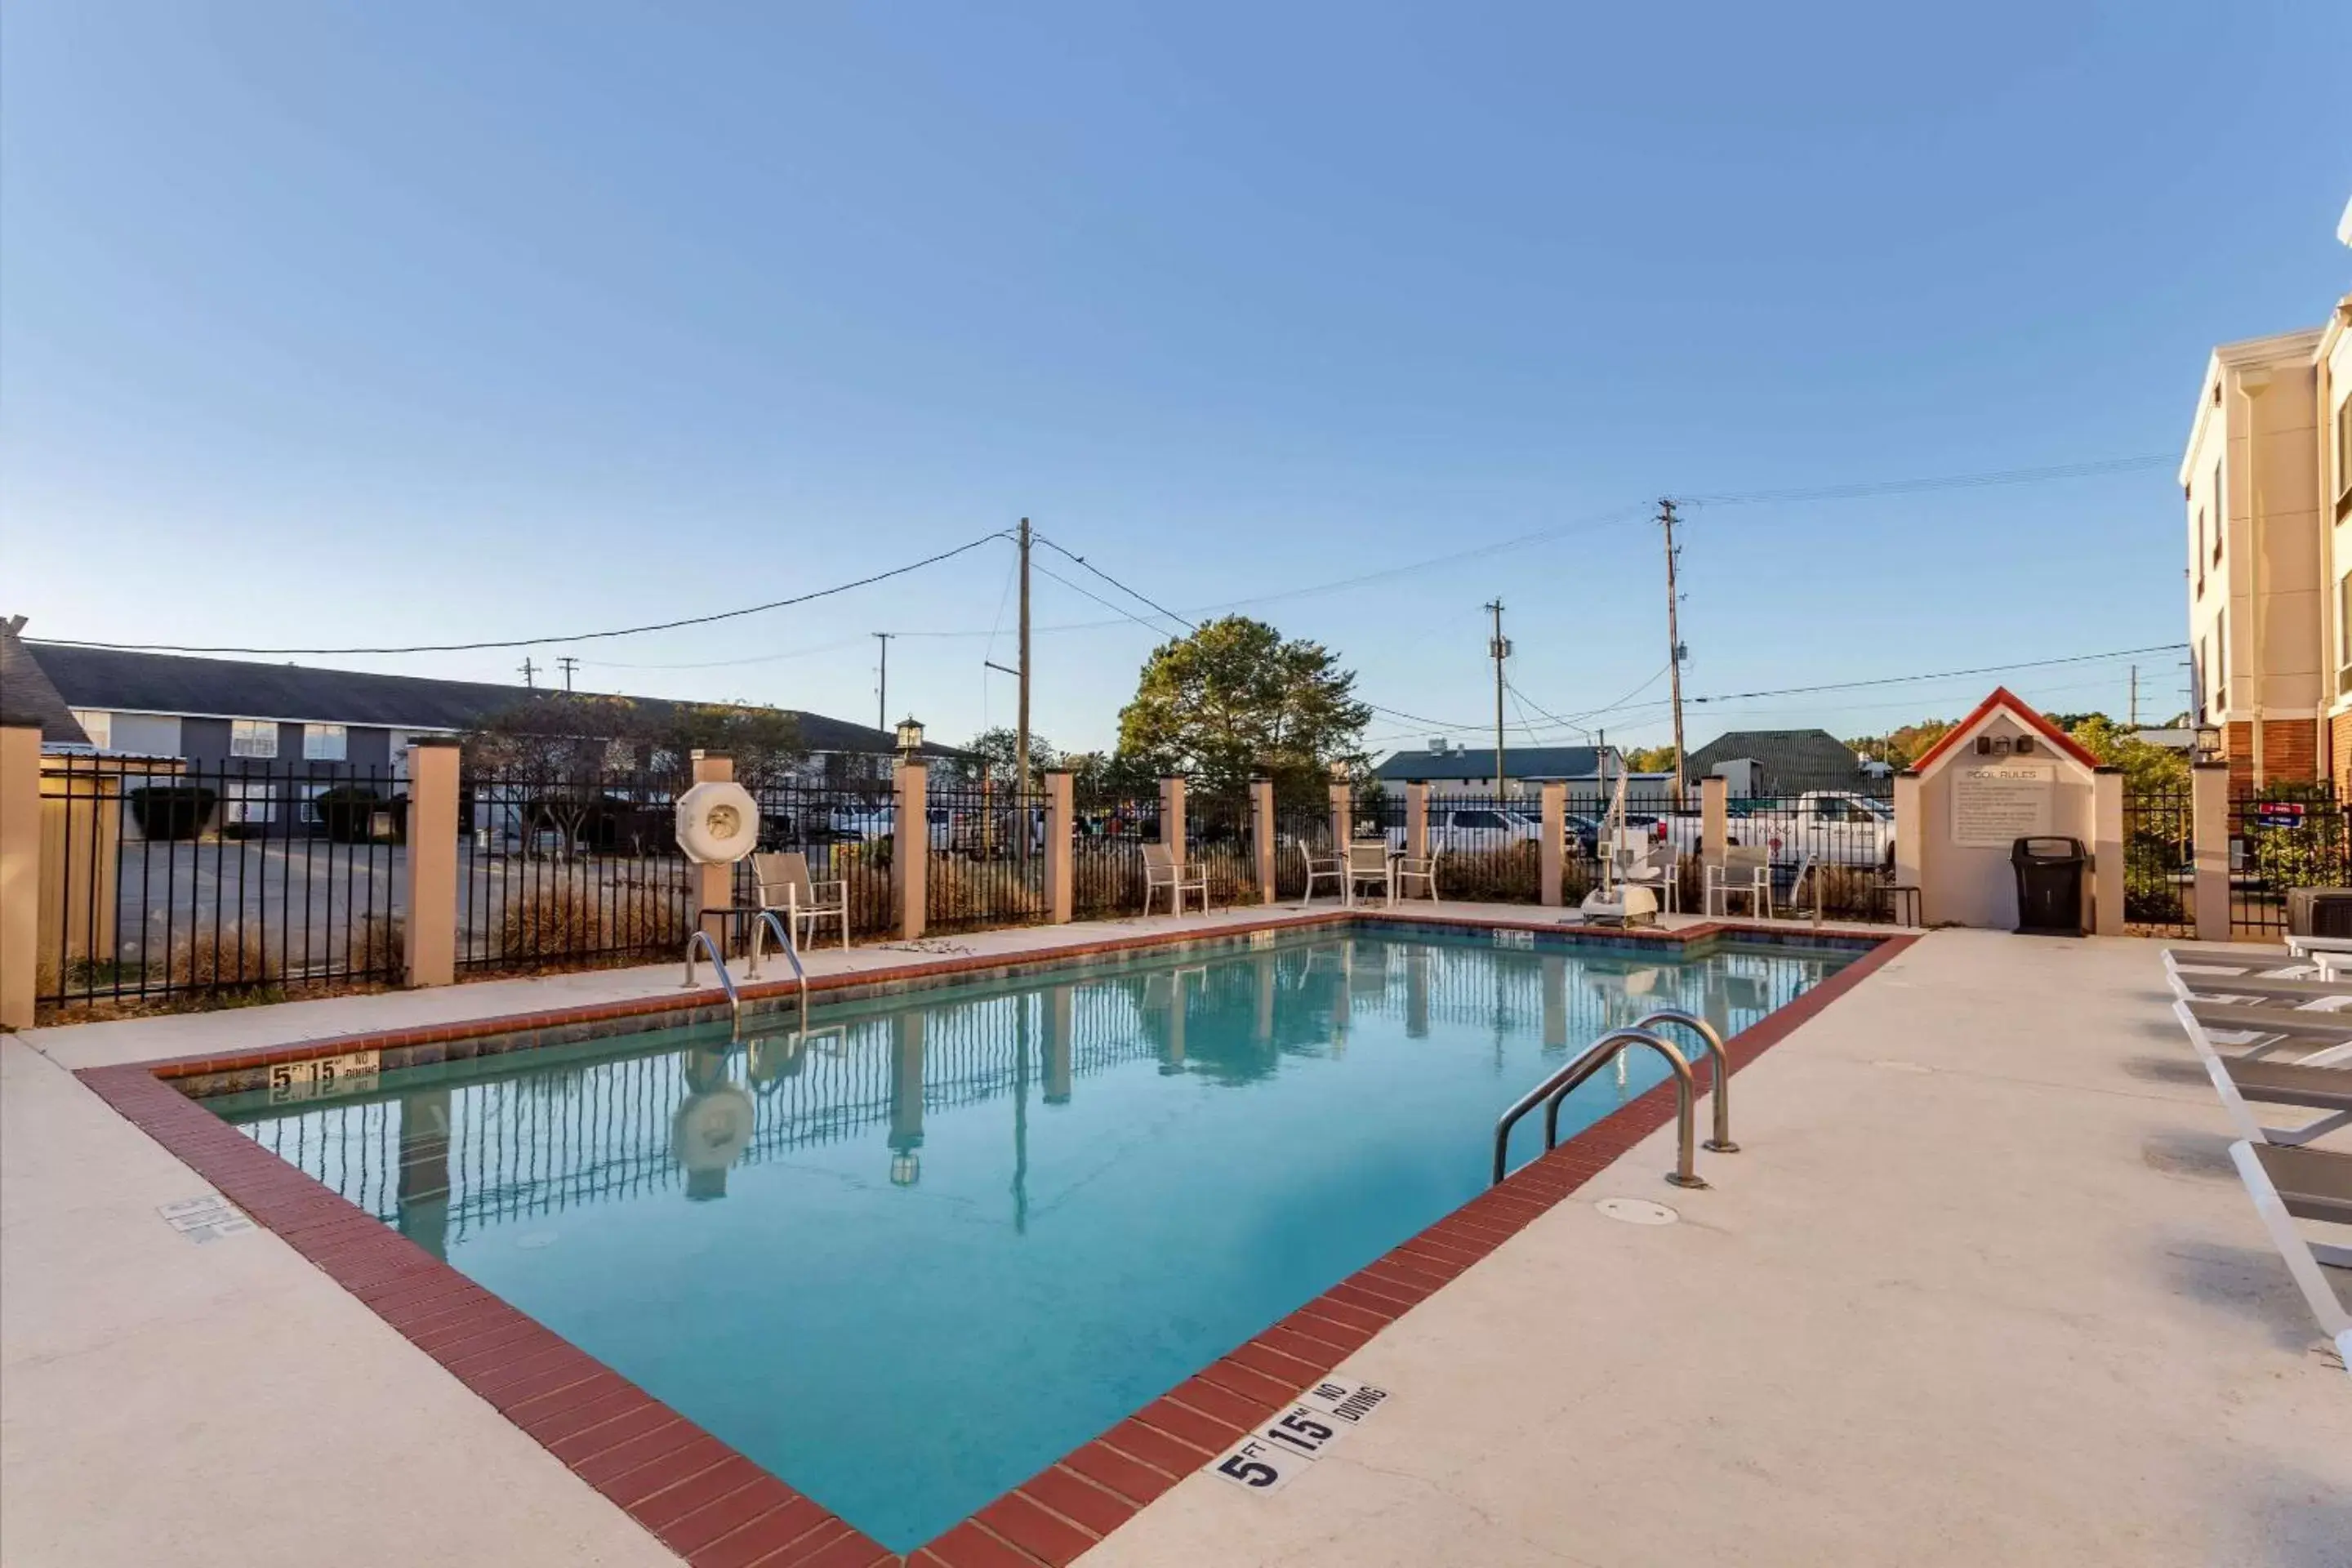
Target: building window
pixel 98 726
pixel 2222 660
pixel 2220 513
pixel 323 743
pixel 2343 635
pixel 252 738
pixel 2344 450
pixel 2200 556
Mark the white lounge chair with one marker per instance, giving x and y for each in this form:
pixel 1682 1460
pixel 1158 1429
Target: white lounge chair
pixel 2243 1082
pixel 2322 1036
pixel 1368 863
pixel 1160 870
pixel 2288 1184
pixel 786 887
pixel 1745 871
pixel 1323 868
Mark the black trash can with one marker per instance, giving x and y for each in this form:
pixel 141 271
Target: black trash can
pixel 2049 886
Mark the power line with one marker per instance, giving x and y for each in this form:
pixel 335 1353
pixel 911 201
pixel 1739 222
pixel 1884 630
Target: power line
pixel 574 636
pixel 1940 482
pixel 1941 675
pixel 1115 583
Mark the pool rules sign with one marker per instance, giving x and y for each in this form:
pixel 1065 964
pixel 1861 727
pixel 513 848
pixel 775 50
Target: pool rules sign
pixel 1268 1458
pixel 1996 803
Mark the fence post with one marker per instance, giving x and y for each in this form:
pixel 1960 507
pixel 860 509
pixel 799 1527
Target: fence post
pixel 1172 819
pixel 2107 852
pixel 20 872
pixel 1061 822
pixel 1715 818
pixel 910 848
pixel 1552 854
pixel 1262 836
pixel 1910 842
pixel 1417 820
pixel 714 886
pixel 428 921
pixel 1343 809
pixel 2209 828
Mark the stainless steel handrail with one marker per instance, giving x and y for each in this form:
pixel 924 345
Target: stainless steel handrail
pixel 760 928
pixel 1721 1142
pixel 701 938
pixel 1596 1056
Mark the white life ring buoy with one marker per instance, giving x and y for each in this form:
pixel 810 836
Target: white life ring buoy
pixel 718 823
pixel 712 1131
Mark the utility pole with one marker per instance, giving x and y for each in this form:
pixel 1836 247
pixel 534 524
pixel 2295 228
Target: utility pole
pixel 1673 640
pixel 1499 647
pixel 882 684
pixel 2135 697
pixel 569 664
pixel 1020 721
pixel 528 669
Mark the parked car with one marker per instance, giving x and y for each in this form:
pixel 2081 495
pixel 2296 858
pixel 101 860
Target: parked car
pixel 1473 829
pixel 1833 826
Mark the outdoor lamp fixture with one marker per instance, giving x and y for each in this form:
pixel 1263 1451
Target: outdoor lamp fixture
pixel 2209 742
pixel 905 1168
pixel 910 736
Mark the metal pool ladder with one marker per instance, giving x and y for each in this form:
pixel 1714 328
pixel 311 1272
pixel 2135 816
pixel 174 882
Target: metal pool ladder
pixel 1721 1142
pixel 701 938
pixel 769 922
pixel 1591 1059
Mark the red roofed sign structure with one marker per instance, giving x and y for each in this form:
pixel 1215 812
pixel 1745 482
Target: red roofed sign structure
pixel 2005 701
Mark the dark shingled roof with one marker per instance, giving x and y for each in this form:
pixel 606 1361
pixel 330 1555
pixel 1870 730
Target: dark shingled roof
pixel 27 697
pixel 1527 763
pixel 118 681
pixel 1793 760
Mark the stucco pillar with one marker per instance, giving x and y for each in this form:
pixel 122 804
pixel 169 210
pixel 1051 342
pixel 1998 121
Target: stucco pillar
pixel 1714 818
pixel 1417 820
pixel 1059 1039
pixel 2208 820
pixel 1343 811
pixel 1060 823
pixel 1911 842
pixel 1553 850
pixel 910 848
pixel 714 886
pixel 428 919
pixel 20 872
pixel 2107 852
pixel 1171 818
pixel 1262 836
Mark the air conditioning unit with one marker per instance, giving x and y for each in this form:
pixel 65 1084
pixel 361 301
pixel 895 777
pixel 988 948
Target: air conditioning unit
pixel 2319 911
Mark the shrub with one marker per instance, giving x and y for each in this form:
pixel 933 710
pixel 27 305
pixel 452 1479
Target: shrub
pixel 569 919
pixel 218 957
pixel 380 946
pixel 173 811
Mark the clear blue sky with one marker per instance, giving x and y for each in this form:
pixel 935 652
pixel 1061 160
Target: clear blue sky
pixel 330 324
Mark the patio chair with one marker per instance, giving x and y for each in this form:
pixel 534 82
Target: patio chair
pixel 2288 1184
pixel 1368 862
pixel 1326 868
pixel 2245 1082
pixel 2246 960
pixel 1417 868
pixel 784 885
pixel 2257 990
pixel 1160 870
pixel 1643 862
pixel 2259 1031
pixel 1745 871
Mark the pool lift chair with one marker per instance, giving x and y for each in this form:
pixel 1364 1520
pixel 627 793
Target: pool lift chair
pixel 1618 901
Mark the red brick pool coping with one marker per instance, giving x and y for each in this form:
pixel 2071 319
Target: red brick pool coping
pixel 717 1508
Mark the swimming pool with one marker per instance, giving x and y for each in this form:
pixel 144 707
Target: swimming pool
pixel 910 1256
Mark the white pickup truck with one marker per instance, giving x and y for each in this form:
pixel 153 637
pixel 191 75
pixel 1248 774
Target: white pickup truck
pixel 1834 827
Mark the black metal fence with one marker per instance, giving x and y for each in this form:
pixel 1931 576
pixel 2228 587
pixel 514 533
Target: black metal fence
pixel 1221 842
pixel 2282 837
pixel 1107 853
pixel 1833 850
pixel 165 881
pixel 845 832
pixel 2159 861
pixel 558 870
pixel 987 848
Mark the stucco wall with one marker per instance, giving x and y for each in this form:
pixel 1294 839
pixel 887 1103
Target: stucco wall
pixel 1971 887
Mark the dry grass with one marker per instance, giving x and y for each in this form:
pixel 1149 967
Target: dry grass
pixel 566 920
pixel 379 947
pixel 213 958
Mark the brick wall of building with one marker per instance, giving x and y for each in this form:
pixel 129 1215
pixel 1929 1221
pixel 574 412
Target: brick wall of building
pixel 2290 751
pixel 2339 749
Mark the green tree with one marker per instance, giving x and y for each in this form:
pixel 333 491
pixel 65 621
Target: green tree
pixel 1901 747
pixel 1234 699
pixel 1650 760
pixel 993 755
pixel 2147 769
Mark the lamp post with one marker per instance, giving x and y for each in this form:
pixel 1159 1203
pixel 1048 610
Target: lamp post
pixel 911 737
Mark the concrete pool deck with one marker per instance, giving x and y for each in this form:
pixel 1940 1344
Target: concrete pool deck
pixel 1981 1288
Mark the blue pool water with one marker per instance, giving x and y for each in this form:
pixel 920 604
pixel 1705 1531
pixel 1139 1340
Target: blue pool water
pixel 911 1257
